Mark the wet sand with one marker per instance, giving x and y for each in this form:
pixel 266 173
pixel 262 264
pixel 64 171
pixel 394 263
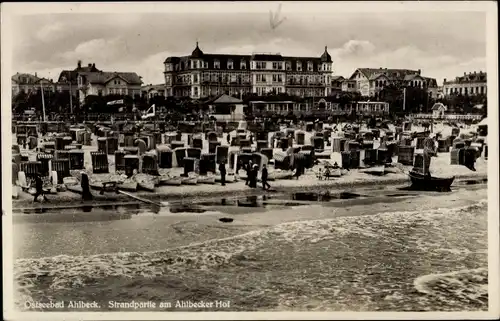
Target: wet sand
pixel 355 178
pixel 129 230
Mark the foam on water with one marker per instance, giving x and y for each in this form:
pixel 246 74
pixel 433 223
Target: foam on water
pixel 469 286
pixel 66 272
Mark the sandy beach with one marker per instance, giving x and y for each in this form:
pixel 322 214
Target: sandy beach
pixel 440 166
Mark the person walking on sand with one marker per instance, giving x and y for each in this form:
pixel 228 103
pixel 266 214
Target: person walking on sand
pixel 222 169
pixel 264 177
pixel 39 188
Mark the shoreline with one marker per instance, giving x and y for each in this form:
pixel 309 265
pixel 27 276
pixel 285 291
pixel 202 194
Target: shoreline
pixel 67 199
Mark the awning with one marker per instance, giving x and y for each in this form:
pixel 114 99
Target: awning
pixel 163 148
pixel 280 156
pixel 307 148
pixel 305 152
pixel 299 156
pixel 483 122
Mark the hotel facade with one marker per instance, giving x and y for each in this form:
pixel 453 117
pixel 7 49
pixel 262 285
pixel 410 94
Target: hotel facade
pixel 201 75
pixel 369 82
pixel 473 83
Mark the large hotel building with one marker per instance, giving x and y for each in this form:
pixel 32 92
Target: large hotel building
pixel 202 75
pixel 469 84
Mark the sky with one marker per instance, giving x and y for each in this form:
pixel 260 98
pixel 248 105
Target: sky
pixel 443 44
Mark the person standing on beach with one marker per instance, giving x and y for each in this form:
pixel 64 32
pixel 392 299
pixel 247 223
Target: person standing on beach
pixel 249 172
pixel 264 177
pixel 253 176
pixel 86 194
pixel 39 188
pixel 222 169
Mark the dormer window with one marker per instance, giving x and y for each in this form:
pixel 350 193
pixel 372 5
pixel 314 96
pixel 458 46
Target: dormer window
pixel 216 64
pixel 243 64
pixel 230 64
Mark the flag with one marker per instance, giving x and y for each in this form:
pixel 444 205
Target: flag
pixel 151 108
pixel 115 102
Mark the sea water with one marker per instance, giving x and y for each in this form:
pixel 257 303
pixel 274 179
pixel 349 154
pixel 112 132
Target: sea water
pixel 393 261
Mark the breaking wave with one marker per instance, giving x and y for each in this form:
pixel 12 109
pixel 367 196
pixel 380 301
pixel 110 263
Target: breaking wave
pixel 67 272
pixel 468 286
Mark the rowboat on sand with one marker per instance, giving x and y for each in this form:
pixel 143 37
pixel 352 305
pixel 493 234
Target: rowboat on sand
pixel 128 185
pixel 429 183
pixel 146 186
pixel 170 180
pixel 376 170
pixel 206 179
pixel 189 180
pixel 274 175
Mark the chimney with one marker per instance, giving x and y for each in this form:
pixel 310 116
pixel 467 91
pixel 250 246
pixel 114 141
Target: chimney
pixel 35 74
pixel 79 64
pixel 419 71
pixel 93 65
pixel 465 74
pixel 474 72
pixel 444 80
pixel 90 65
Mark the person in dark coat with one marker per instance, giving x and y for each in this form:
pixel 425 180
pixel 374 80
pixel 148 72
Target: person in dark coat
pixel 253 176
pixel 86 194
pixel 249 171
pixel 299 170
pixel 222 169
pixel 39 188
pixel 264 177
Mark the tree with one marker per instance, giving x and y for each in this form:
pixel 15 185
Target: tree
pixel 19 103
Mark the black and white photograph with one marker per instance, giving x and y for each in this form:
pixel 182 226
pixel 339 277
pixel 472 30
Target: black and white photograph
pixel 258 160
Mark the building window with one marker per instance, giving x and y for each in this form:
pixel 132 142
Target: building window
pixel 195 78
pixel 230 64
pixel 299 66
pixel 261 78
pixel 309 66
pixel 216 64
pixel 99 92
pixel 288 65
pixel 260 65
pixel 195 91
pixel 243 64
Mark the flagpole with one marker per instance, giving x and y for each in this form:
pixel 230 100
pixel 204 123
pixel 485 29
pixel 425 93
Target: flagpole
pixel 404 99
pixel 43 100
pixel 70 98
